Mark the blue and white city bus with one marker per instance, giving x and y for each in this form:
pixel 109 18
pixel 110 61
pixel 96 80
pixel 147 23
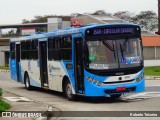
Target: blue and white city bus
pixel 92 60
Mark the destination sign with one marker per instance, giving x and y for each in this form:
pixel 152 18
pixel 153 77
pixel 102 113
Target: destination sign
pixel 112 31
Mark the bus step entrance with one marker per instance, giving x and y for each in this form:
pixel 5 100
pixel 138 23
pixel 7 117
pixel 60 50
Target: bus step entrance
pixel 45 85
pixel 46 88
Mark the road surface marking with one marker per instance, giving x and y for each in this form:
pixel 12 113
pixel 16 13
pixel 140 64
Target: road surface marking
pixel 153 85
pixel 18 99
pixel 143 95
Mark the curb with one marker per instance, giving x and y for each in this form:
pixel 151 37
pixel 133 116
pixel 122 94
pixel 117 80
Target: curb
pixel 152 77
pixel 4 70
pixel 146 77
pixel 48 114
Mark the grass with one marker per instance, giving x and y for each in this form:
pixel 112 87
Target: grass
pixel 4 106
pixel 152 71
pixel 4 67
pixel 1 92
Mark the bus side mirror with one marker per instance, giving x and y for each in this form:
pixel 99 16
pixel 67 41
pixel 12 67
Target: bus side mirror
pixel 84 48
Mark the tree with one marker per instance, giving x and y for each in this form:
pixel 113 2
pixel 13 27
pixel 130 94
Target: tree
pixel 36 19
pixel 11 33
pixel 124 15
pixel 147 20
pixel 18 32
pixel 39 19
pixel 25 21
pixel 100 12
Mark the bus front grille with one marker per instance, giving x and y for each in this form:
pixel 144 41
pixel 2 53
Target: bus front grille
pixel 114 82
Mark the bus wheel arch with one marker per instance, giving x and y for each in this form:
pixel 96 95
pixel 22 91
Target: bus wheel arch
pixel 27 81
pixel 67 89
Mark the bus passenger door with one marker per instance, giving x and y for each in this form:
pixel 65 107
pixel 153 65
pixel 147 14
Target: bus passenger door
pixel 78 66
pixel 18 61
pixel 43 63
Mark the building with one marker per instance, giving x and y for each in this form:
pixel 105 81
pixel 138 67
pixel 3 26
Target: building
pixel 106 19
pixel 27 29
pixel 151 41
pixel 151 50
pixel 4 54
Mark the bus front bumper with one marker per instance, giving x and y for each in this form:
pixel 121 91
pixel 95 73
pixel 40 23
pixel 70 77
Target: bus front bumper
pixel 107 90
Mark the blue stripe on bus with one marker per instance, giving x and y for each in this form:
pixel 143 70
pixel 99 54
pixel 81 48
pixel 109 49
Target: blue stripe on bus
pixel 22 75
pixel 13 69
pixel 140 74
pixel 71 79
pixel 34 83
pixel 99 78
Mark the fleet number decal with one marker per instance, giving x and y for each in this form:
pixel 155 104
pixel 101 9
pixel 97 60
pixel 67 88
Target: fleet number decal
pixel 99 66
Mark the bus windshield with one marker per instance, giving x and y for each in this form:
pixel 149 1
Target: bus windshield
pixel 113 54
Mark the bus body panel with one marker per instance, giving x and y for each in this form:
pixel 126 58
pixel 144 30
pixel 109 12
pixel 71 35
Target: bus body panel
pixel 70 74
pixel 31 67
pixel 57 70
pixel 22 75
pixel 94 90
pixel 13 69
pixel 34 73
pixel 115 79
pixel 55 75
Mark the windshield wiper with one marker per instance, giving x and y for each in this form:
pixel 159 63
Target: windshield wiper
pixel 108 45
pixel 124 45
pixel 121 49
pixel 110 48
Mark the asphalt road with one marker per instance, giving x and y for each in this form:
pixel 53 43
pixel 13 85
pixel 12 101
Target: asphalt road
pixel 147 101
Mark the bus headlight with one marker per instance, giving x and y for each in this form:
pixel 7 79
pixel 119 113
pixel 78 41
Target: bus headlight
pixel 140 78
pixel 96 82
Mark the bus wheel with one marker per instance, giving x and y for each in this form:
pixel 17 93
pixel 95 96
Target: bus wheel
pixel 116 96
pixel 68 91
pixel 27 82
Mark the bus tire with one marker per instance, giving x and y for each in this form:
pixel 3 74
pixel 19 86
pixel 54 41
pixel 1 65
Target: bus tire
pixel 27 82
pixel 116 96
pixel 68 91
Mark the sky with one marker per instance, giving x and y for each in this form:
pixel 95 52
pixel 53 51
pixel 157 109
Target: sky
pixel 14 11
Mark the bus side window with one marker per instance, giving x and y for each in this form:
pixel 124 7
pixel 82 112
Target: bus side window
pixel 29 49
pixel 57 48
pixel 34 49
pixel 23 48
pixel 12 49
pixel 66 46
pixel 51 45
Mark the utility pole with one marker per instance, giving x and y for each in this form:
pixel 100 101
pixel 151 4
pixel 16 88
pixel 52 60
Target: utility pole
pixel 158 17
